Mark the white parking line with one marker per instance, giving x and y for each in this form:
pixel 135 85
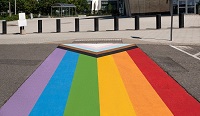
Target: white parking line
pixel 197 54
pixel 194 56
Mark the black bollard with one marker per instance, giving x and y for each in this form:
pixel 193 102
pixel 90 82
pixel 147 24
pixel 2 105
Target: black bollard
pixel 39 26
pixel 116 23
pixel 58 26
pixel 96 24
pixel 158 21
pixel 137 22
pixel 22 30
pixel 4 27
pixel 181 20
pixel 76 24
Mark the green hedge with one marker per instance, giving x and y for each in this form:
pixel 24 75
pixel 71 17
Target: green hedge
pixel 12 18
pixel 8 18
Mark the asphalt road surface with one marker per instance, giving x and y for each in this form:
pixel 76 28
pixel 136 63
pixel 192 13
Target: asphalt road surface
pixel 18 62
pixel 180 63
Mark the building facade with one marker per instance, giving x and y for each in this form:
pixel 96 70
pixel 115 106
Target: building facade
pixel 185 6
pixel 131 7
pixel 146 6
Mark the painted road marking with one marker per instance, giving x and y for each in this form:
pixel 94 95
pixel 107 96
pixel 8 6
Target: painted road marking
pixel 185 47
pixel 175 97
pixel 114 100
pixel 197 54
pixel 194 56
pixel 54 97
pixel 127 83
pixel 144 98
pixel 84 96
pixel 22 102
pixel 96 47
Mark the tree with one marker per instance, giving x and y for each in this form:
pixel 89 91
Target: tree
pixel 27 6
pixel 20 5
pixel 110 8
pixel 4 5
pixel 82 6
pixel 31 6
pixel 45 5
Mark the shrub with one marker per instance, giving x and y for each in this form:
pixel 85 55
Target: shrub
pixel 8 18
pixel 12 18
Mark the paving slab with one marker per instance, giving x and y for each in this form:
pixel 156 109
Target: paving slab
pixel 187 35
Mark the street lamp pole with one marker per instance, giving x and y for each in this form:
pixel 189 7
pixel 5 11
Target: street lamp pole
pixel 9 9
pixel 171 12
pixel 15 8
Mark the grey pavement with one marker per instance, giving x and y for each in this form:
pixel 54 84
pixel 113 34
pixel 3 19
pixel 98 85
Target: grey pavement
pixel 188 35
pixel 20 55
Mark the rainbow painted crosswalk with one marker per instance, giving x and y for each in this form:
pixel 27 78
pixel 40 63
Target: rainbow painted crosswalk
pixel 127 83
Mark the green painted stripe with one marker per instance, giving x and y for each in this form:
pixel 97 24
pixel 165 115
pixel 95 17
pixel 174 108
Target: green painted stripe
pixel 84 96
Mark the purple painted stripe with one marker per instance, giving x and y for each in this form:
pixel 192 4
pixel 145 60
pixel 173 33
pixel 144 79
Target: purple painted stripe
pixel 22 102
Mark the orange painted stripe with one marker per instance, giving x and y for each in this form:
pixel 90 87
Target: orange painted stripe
pixel 114 99
pixel 174 96
pixel 144 98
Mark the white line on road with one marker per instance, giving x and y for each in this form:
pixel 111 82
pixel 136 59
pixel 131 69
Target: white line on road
pixel 197 54
pixel 194 56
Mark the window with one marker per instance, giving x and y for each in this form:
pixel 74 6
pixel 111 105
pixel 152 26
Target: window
pixel 186 6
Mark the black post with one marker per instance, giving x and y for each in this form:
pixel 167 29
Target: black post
pixel 137 22
pixel 158 21
pixel 4 27
pixel 58 26
pixel 116 23
pixel 21 29
pixel 39 26
pixel 76 24
pixel 96 24
pixel 181 20
pixel 172 21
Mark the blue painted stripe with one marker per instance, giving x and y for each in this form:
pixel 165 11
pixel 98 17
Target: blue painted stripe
pixel 53 100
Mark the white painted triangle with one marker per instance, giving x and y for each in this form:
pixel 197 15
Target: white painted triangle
pixel 96 47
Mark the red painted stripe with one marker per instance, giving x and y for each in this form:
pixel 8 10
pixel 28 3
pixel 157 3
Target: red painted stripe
pixel 174 96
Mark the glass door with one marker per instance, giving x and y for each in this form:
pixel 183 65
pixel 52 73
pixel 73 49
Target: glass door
pixel 121 7
pixel 191 6
pixel 187 6
pixel 182 6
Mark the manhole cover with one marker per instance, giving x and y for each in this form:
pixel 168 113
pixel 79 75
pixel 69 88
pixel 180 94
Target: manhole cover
pixel 96 41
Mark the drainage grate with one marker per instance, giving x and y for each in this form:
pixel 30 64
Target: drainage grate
pixel 96 41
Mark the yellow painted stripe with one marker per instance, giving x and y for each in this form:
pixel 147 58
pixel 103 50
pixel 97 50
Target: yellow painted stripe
pixel 114 100
pixel 144 98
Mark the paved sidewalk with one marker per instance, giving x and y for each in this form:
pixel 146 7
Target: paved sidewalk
pixel 188 35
